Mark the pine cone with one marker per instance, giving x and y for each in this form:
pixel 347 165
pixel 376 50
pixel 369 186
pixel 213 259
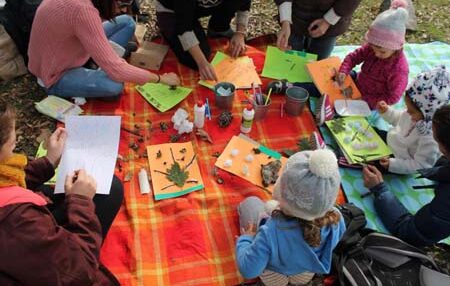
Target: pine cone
pixel 224 119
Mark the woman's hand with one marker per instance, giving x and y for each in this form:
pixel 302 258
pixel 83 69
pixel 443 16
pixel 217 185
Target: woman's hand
pixel 283 36
pixel 171 79
pixel 80 183
pixel 237 45
pixel 55 146
pixel 249 230
pixel 382 107
pixel 372 177
pixel 318 28
pixel 207 71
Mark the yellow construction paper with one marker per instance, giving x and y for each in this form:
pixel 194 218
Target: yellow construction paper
pixel 163 163
pixel 245 147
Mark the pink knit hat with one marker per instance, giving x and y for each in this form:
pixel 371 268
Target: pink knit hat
pixel 388 29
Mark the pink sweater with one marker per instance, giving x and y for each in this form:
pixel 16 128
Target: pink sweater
pixel 379 79
pixel 65 33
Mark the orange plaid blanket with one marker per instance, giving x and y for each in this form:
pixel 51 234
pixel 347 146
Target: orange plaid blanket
pixel 188 240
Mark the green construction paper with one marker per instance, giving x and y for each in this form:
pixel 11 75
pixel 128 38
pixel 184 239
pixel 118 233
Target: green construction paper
pixel 42 152
pixel 290 65
pixel 218 57
pixel 161 96
pixel 381 151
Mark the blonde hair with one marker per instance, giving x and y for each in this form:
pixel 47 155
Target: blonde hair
pixel 311 229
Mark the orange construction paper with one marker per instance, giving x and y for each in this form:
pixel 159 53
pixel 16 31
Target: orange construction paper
pixel 159 181
pixel 322 73
pixel 241 72
pixel 245 147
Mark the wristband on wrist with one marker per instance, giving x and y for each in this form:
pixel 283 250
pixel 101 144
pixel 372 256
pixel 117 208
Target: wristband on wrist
pixel 241 32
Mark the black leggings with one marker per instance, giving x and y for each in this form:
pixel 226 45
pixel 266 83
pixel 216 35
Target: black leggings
pixel 106 206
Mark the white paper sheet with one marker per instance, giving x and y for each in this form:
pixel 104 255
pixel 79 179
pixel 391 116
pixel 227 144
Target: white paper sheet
pixel 92 144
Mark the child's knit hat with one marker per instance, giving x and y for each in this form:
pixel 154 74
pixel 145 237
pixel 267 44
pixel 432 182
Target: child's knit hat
pixel 429 91
pixel 308 185
pixel 388 29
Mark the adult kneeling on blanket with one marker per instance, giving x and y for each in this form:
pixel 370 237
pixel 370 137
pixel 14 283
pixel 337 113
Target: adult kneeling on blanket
pixel 431 223
pixel 67 33
pixel 48 239
pixel 178 21
pixel 288 240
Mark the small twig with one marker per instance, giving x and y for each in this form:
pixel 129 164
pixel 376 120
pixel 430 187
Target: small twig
pixel 189 164
pixel 192 181
pixel 166 187
pixel 171 153
pixel 132 132
pixel 164 173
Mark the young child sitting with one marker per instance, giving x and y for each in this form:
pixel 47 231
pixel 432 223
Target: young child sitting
pixel 411 139
pixel 301 228
pixel 384 70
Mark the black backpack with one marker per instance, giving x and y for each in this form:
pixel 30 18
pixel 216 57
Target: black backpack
pixel 364 257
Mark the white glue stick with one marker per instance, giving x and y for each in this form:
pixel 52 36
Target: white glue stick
pixel 144 184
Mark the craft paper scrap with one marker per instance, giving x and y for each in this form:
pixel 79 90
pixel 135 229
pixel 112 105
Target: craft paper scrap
pixel 42 152
pixel 174 170
pixel 322 73
pixel 161 96
pixel 57 107
pixel 92 144
pixel 241 72
pixel 244 158
pixel 290 65
pixel 358 140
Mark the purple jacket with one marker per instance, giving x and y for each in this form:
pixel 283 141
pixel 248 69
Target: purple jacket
pixel 379 79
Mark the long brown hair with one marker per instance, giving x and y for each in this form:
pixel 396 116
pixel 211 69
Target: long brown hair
pixel 311 229
pixel 105 8
pixel 7 122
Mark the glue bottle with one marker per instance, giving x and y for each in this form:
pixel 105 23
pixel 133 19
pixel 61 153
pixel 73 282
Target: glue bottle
pixel 247 119
pixel 199 114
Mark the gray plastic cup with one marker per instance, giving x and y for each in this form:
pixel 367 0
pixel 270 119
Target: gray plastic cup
pixel 261 110
pixel 296 98
pixel 224 101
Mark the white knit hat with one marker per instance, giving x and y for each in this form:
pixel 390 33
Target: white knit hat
pixel 429 91
pixel 389 27
pixel 308 185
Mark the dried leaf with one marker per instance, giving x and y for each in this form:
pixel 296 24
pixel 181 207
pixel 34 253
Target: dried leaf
pixel 128 176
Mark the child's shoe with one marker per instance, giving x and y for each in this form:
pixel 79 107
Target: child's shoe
pixel 278 86
pixel 324 110
pixel 316 141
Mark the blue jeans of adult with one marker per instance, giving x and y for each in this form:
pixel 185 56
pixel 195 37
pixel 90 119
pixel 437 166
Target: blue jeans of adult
pixel 395 217
pixel 322 46
pixel 83 82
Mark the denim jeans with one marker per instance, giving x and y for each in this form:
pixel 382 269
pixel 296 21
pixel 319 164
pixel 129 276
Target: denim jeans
pixel 396 218
pixel 83 82
pixel 322 47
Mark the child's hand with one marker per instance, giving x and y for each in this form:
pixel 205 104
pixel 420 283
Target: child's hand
pixel 340 78
pixel 382 107
pixel 249 230
pixel 171 79
pixel 283 36
pixel 237 45
pixel 55 146
pixel 80 183
pixel 385 163
pixel 372 177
